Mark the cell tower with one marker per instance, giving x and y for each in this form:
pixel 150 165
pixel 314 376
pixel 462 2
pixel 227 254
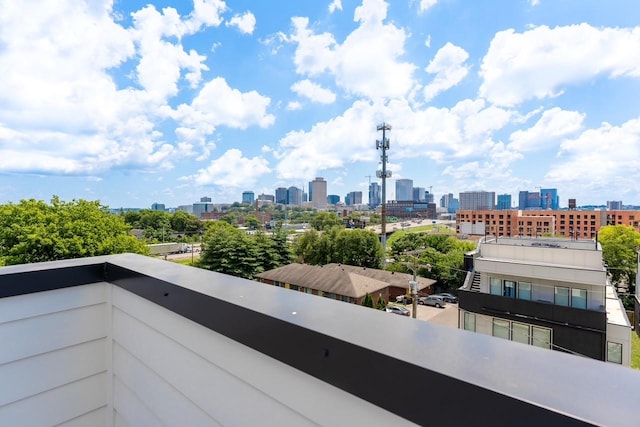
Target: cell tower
pixel 384 174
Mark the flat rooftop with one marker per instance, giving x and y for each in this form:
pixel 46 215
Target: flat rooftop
pixel 616 313
pixel 544 242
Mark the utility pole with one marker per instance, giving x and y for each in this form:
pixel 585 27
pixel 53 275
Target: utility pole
pixel 414 266
pixel 384 174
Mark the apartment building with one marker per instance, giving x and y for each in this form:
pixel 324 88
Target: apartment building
pixel 533 223
pixel 546 292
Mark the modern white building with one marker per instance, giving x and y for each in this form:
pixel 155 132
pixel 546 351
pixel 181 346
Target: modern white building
pixel 545 292
pixel 318 193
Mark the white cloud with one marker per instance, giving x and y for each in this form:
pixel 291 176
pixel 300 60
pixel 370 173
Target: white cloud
pixel 426 5
pixel 554 124
pixel 64 112
pixel 600 159
pixel 232 169
pixel 543 61
pixel 427 42
pixel 356 63
pixel 449 69
pixel 294 106
pixel 440 134
pixel 313 92
pixel 246 22
pixel 335 5
pixel 534 2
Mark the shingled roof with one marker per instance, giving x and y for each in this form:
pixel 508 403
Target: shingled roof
pixel 341 279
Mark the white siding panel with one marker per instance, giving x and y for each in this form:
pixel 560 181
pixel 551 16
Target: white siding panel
pixel 36 335
pixel 93 418
pixel 58 405
pixel 46 371
pixel 155 393
pixel 130 410
pixel 39 303
pixel 218 393
pixel 118 421
pixel 274 379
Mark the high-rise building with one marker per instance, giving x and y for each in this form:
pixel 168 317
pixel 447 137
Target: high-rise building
pixel 374 195
pixel 205 199
pixel 333 199
pixel 549 199
pixel 614 205
pixel 419 194
pixel 428 197
pixel 529 200
pixel 294 196
pixel 157 207
pixel 504 201
pixel 201 207
pixel 449 202
pixel 248 197
pixel 353 198
pixel 477 200
pixel 281 195
pixel 404 189
pixel 318 192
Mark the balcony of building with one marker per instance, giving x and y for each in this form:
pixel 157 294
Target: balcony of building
pixel 127 340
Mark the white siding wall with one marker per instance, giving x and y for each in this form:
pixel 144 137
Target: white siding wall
pixel 184 374
pixel 99 355
pixel 53 364
pixel 561 256
pixel 558 273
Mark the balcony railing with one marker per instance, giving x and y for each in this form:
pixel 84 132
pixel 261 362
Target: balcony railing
pixel 131 340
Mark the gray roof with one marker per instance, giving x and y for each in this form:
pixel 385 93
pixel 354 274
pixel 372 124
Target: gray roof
pixel 341 279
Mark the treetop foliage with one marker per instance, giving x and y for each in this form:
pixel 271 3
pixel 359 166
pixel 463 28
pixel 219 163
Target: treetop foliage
pixel 620 245
pixel 35 231
pixel 339 245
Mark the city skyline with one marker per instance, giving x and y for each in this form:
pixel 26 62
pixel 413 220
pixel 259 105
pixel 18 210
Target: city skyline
pixel 132 103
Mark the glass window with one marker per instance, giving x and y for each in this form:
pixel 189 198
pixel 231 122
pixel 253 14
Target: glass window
pixel 524 290
pixel 520 332
pixel 509 289
pixel 540 337
pixel 614 352
pixel 495 286
pixel 579 298
pixel 501 328
pixel 470 321
pixel 561 296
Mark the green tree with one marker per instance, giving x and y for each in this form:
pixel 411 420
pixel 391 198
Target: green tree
pixel 325 220
pixel 231 251
pixel 620 245
pixel 230 218
pixel 367 301
pixel 252 222
pixel 381 304
pixel 179 221
pixel 358 247
pixel 35 231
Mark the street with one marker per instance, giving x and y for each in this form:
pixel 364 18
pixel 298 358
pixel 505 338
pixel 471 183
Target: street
pixel 447 316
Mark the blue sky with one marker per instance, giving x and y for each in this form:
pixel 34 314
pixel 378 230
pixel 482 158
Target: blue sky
pixel 132 102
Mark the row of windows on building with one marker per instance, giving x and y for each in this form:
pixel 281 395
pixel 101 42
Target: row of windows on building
pixel 537 336
pixel 563 295
pixel 513 331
